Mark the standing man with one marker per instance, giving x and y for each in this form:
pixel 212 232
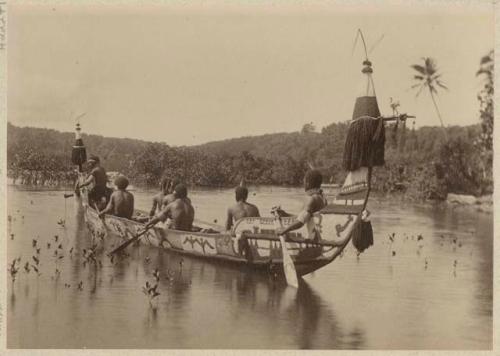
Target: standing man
pixel 121 202
pixel 241 209
pixel 315 201
pixel 98 194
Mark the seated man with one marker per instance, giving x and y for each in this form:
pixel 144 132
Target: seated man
pixel 158 198
pixel 121 203
pixel 241 209
pixel 315 202
pixel 180 211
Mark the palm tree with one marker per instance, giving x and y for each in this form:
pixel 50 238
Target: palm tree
pixel 427 77
pixel 485 97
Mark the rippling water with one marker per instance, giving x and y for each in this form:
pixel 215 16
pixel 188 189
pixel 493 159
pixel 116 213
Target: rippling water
pixel 432 292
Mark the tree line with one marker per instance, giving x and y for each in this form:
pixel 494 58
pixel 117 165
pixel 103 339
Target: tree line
pixel 422 163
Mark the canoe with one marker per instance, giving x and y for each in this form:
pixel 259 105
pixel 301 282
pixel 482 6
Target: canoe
pixel 258 251
pixel 252 242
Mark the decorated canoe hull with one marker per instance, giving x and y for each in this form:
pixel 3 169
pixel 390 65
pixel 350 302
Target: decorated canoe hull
pixel 258 251
pixel 253 242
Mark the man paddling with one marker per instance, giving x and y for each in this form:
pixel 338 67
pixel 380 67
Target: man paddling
pixel 180 211
pixel 99 192
pixel 158 198
pixel 241 209
pixel 315 201
pixel 121 202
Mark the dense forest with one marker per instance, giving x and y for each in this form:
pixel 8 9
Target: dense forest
pixel 423 163
pixel 416 161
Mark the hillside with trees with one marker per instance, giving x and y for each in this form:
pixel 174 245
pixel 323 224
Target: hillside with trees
pixel 277 159
pixel 423 163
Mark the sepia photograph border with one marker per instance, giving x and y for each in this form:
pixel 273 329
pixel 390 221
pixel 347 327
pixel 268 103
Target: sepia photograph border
pixel 3 210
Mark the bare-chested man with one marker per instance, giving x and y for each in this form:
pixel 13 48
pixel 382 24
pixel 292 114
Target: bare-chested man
pixel 158 198
pixel 121 202
pixel 242 209
pixel 97 176
pixel 315 202
pixel 180 211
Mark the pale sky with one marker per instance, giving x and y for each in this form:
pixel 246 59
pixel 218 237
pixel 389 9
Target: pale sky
pixel 191 73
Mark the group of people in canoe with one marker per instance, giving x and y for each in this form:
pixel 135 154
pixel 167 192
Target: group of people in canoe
pixel 173 206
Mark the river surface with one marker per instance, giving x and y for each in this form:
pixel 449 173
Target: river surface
pixel 427 292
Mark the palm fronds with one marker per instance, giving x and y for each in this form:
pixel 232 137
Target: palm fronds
pixel 427 77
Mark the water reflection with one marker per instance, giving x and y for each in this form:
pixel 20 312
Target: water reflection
pixel 299 314
pixel 214 305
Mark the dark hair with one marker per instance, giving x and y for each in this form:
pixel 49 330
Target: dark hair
pixel 241 193
pixel 121 182
pixel 313 179
pixel 180 191
pixel 94 158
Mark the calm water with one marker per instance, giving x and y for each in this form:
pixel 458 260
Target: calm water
pixel 431 293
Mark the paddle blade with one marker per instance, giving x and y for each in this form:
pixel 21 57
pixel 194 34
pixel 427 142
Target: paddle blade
pixel 128 242
pixel 122 246
pixel 288 266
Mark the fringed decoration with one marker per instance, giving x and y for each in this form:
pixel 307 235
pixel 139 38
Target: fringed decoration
pixel 78 153
pixel 362 235
pixel 364 145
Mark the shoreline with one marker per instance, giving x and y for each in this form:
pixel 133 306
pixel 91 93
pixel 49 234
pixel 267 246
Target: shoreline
pixel 483 204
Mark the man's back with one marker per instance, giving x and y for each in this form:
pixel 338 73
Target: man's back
pixel 100 177
pixel 244 210
pixel 181 213
pixel 240 210
pixel 123 204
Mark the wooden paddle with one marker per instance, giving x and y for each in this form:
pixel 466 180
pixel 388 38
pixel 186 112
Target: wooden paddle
pixel 129 241
pixel 288 266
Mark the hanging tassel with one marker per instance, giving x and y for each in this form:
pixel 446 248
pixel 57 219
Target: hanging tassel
pixel 364 145
pixel 362 236
pixel 362 233
pixel 78 153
